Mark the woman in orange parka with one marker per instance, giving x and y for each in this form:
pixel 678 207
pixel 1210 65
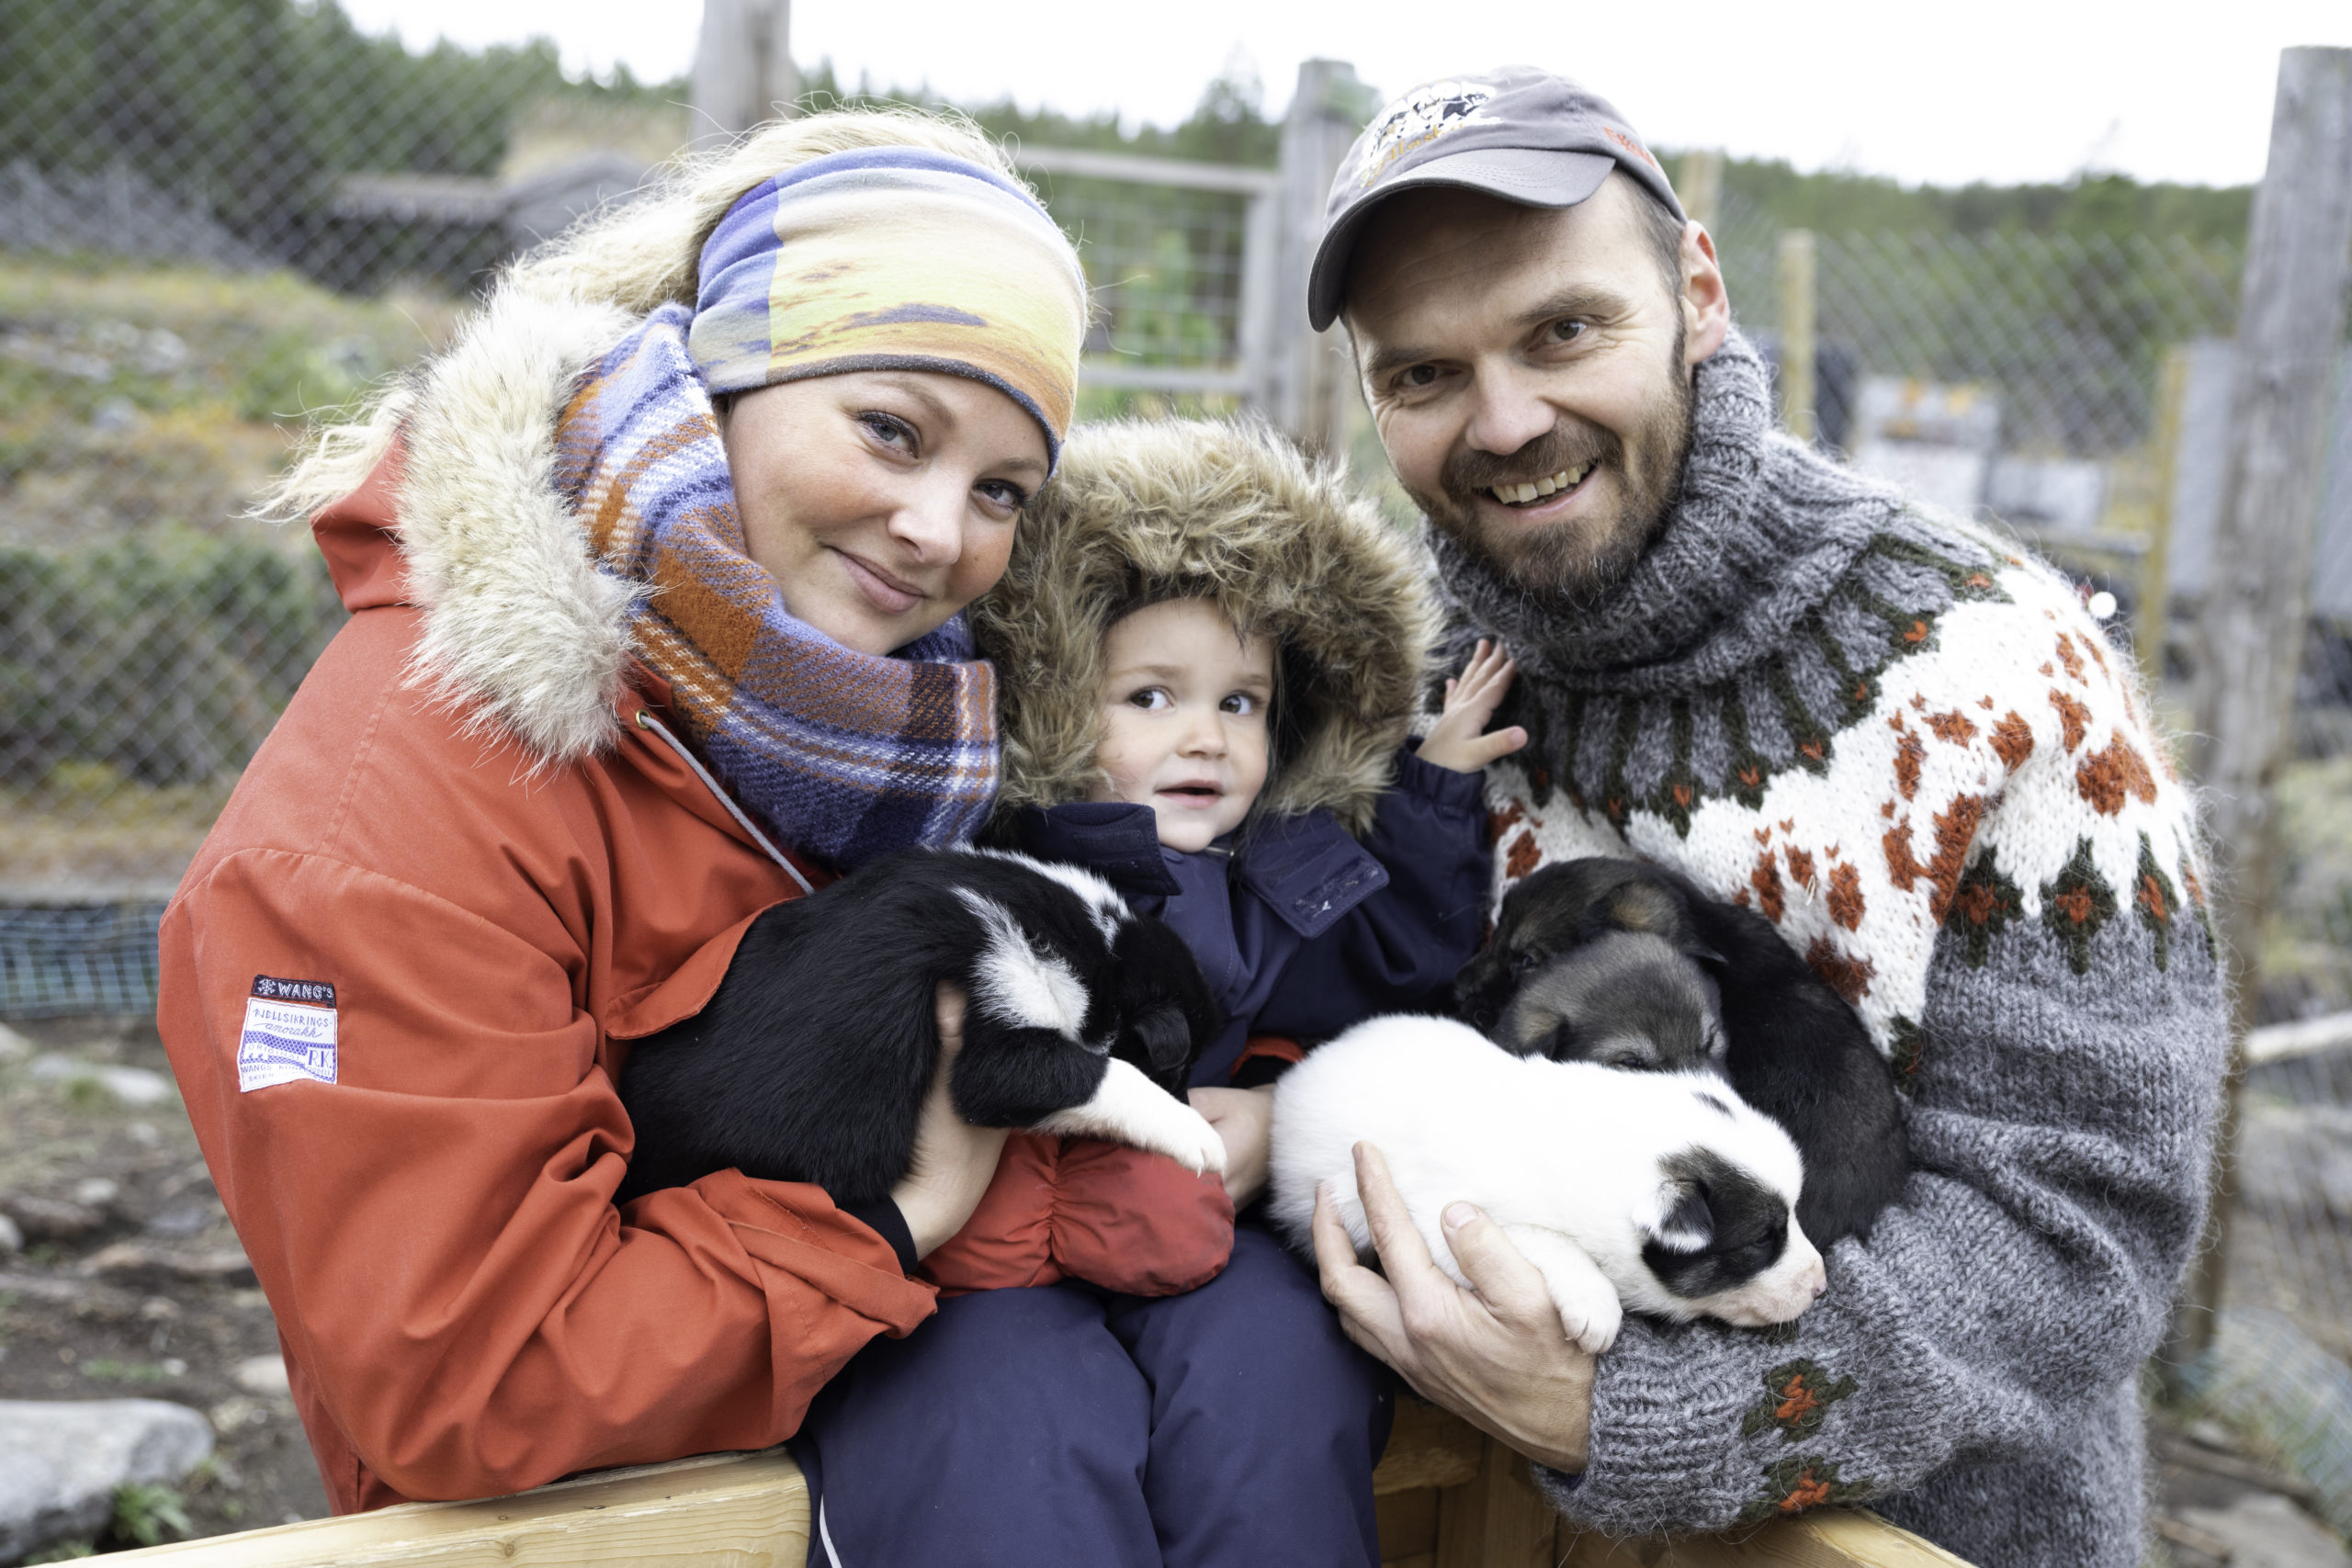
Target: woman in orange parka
pixel 655 578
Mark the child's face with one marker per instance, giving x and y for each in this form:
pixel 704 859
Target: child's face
pixel 1184 700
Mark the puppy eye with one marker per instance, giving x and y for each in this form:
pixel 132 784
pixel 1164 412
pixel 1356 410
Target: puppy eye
pixel 1520 962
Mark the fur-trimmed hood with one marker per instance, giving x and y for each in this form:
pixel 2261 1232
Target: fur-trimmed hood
pixel 1146 511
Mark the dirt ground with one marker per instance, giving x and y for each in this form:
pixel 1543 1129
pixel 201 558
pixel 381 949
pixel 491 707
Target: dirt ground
pixel 151 1299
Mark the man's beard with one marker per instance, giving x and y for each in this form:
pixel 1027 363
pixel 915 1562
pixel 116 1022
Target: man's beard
pixel 1573 563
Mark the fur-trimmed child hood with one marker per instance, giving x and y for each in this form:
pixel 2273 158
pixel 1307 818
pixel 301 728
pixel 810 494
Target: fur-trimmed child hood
pixel 1141 511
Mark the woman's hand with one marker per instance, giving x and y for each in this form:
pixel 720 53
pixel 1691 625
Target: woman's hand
pixel 1496 1357
pixel 1244 1118
pixel 1459 740
pixel 954 1159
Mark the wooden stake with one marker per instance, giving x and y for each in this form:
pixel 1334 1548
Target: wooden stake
pixel 1796 332
pixel 2290 327
pixel 2156 566
pixel 1701 186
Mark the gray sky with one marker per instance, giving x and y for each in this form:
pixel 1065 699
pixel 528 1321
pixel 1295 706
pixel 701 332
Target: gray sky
pixel 1999 90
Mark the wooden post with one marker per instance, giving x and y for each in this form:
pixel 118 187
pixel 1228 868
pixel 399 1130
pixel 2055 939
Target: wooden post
pixel 2290 327
pixel 1305 377
pixel 1699 184
pixel 743 70
pixel 2156 566
pixel 1499 1519
pixel 1796 289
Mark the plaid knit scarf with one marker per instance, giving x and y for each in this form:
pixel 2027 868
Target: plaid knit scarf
pixel 845 756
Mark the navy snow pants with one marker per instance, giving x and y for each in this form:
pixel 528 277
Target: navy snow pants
pixel 1233 1425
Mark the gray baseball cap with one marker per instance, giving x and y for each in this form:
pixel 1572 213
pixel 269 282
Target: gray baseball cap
pixel 1516 132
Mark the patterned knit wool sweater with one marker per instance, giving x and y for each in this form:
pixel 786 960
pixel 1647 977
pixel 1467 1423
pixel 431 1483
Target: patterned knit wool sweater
pixel 1905 744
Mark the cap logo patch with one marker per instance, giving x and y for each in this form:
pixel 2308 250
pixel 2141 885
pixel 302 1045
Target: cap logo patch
pixel 1630 145
pixel 1419 118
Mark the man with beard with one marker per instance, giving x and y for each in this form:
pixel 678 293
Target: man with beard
pixel 1888 731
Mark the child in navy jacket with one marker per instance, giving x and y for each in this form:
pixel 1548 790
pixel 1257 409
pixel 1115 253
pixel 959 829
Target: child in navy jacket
pixel 1209 652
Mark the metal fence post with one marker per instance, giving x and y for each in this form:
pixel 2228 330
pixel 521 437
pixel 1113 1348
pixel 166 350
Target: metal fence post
pixel 1301 383
pixel 1797 344
pixel 2290 327
pixel 744 71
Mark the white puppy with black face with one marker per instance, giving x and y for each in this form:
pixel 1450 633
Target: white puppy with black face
pixel 1661 1192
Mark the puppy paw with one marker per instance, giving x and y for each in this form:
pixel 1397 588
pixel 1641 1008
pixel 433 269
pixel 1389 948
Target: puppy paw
pixel 1589 1312
pixel 1130 1109
pixel 1593 1332
pixel 1201 1153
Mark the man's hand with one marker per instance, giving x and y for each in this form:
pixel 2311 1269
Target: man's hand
pixel 1244 1118
pixel 1499 1359
pixel 954 1159
pixel 1458 741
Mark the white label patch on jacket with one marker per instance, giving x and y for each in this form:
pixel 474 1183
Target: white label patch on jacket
pixel 286 1041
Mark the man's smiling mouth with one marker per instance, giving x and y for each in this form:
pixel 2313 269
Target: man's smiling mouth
pixel 1542 488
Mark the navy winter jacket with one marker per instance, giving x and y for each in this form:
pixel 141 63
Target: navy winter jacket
pixel 1301 930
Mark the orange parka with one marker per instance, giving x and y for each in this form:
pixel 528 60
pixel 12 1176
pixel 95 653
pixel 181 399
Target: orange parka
pixel 398 984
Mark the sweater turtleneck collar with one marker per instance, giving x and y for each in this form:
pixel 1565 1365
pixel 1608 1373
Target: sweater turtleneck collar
pixel 1761 529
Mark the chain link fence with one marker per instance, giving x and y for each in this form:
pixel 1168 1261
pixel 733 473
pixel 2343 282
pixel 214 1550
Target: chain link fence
pixel 220 217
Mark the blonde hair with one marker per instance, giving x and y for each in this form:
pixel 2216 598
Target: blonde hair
pixel 632 256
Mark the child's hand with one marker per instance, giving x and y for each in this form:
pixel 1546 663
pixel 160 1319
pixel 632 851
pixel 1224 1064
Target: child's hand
pixel 1244 1118
pixel 1459 740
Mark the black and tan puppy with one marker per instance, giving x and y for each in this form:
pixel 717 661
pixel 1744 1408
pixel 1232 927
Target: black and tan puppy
pixel 811 1061
pixel 1628 965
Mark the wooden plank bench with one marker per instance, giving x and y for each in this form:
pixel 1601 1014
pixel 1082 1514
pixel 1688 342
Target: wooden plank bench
pixel 1450 1497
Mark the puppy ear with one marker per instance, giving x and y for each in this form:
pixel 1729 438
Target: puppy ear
pixel 1688 1225
pixel 1700 952
pixel 1644 906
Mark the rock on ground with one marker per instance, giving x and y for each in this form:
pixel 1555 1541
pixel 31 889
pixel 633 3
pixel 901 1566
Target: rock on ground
pixel 2268 1531
pixel 61 1461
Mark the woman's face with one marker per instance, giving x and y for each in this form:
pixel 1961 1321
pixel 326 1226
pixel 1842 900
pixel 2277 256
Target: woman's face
pixel 881 501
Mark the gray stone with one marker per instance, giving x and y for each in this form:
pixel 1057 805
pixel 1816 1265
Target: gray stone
pixel 131 1085
pixel 11 1239
pixel 264 1375
pixel 14 1047
pixel 61 1461
pixel 49 1219
pixel 2265 1530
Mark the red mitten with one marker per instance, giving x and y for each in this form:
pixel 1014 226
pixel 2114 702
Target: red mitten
pixel 1138 1223
pixel 1008 1241
pixel 1113 1216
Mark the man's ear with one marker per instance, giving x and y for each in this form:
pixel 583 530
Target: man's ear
pixel 1707 305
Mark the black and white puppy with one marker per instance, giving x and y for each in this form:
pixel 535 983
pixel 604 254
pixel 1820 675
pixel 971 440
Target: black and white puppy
pixel 1659 1192
pixel 811 1061
pixel 1628 965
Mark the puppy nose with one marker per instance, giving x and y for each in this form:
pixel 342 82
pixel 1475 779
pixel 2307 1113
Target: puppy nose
pixel 1818 1278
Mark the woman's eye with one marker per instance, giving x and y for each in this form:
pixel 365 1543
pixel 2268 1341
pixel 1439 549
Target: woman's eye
pixel 1568 331
pixel 1150 697
pixel 889 430
pixel 1002 494
pixel 1239 703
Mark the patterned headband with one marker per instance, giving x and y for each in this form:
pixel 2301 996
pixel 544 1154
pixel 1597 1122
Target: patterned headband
pixel 893 258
